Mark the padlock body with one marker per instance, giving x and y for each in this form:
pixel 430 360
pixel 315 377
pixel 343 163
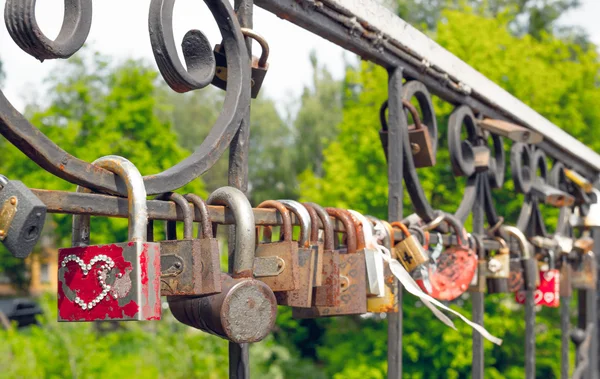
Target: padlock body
pixel 584 273
pixel 516 281
pixel 497 279
pixel 328 294
pixel 353 299
pixel 118 282
pixel 211 266
pixel 547 292
pixel 389 302
pixel 478 284
pixel 243 312
pixel 452 273
pixel 258 77
pixel 318 270
pixel 375 273
pixel 288 279
pixel 424 157
pixel 566 285
pixel 301 297
pixel 220 78
pixel 410 253
pixel 22 217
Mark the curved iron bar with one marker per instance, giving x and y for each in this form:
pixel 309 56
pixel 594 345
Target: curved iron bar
pixel 40 149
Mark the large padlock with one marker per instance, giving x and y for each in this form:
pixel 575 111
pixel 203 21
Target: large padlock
pixel 22 217
pixel 302 296
pixel 246 309
pixel 409 251
pixel 524 274
pixel 329 293
pixel 420 140
pixel 498 269
pixel 373 257
pixel 276 263
pixel 389 302
pixel 119 281
pixel 259 65
pixel 547 292
pixel 316 245
pixel 584 271
pixel 452 272
pixel 352 276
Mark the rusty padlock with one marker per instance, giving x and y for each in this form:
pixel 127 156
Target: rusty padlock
pixel 453 271
pixel 120 281
pixel 352 275
pixel 301 297
pixel 584 271
pixel 276 263
pixel 389 302
pixel 316 245
pixel 259 65
pixel 479 283
pixel 524 273
pixel 246 309
pixel 498 269
pixel 329 293
pixel 420 140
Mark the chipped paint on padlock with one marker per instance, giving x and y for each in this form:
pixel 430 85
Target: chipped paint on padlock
pixel 302 296
pixel 118 281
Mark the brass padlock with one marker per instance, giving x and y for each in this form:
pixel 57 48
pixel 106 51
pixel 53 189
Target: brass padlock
pixel 276 263
pixel 316 245
pixel 585 272
pixel 209 248
pixel 259 65
pixel 301 297
pixel 389 302
pixel 420 140
pixel 409 251
pixel 498 269
pixel 246 309
pixel 352 276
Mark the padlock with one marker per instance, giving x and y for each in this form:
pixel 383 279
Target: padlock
pixel 22 217
pixel 246 309
pixel 481 158
pixel 420 140
pixel 583 244
pixel 451 274
pixel 209 248
pixel 592 218
pixel 498 269
pixel 116 282
pixel 566 275
pixel 352 276
pixel 389 302
pixel 373 257
pixel 301 297
pixel 409 251
pixel 524 273
pixel 479 283
pixel 547 292
pixel 585 272
pixel 316 245
pixel 276 263
pixel 259 65
pixel 329 293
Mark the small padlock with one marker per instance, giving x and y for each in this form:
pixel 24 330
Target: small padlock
pixel 259 65
pixel 389 302
pixel 373 257
pixel 498 269
pixel 420 140
pixel 316 245
pixel 451 274
pixel 479 283
pixel 22 217
pixel 329 293
pixel 566 276
pixel 409 251
pixel 352 276
pixel 301 297
pixel 584 244
pixel 246 309
pixel 524 275
pixel 585 272
pixel 117 282
pixel 276 263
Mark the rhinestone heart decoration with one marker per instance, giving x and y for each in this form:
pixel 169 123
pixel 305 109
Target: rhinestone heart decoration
pixel 102 273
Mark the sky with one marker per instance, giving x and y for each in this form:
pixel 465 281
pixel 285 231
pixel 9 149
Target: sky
pixel 120 30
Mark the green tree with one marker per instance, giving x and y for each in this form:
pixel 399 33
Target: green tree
pixel 96 109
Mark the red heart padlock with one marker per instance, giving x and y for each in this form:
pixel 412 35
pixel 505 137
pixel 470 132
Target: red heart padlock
pixel 452 272
pixel 547 293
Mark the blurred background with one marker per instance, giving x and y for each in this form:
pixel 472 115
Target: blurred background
pixel 314 137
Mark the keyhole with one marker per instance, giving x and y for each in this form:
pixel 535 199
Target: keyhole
pixel 31 233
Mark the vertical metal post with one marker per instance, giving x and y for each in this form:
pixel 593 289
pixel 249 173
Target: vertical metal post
pixel 477 297
pixel 530 350
pixel 239 354
pixel 565 343
pixel 397 121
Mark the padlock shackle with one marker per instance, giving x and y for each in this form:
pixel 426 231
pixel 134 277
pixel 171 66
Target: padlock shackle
pixel 237 202
pixel 366 227
pixel 314 223
pixel 136 195
pixel 403 228
pixel 303 218
pixel 377 223
pixel 205 230
pixel 359 226
pixel 502 242
pixel 188 217
pixel 328 232
pixel 515 232
pixel 413 112
pixel 285 217
pixel 264 55
pixel 453 222
pixel 349 227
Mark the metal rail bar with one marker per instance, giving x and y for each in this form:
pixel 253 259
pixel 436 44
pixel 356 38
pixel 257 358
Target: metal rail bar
pixel 477 298
pixel 374 33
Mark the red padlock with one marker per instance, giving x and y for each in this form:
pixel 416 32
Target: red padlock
pixel 547 292
pixel 118 282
